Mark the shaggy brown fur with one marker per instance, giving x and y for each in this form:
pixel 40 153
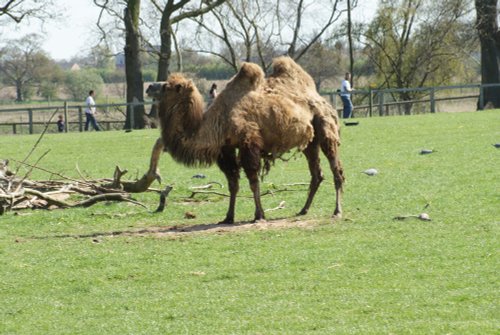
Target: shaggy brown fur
pixel 286 75
pixel 251 119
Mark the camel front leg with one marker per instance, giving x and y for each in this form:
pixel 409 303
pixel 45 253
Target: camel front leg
pixel 250 161
pixel 229 166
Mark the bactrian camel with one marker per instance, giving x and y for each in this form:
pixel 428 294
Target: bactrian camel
pixel 251 122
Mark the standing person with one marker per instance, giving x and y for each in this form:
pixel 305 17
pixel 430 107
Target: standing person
pixel 90 112
pixel 60 123
pixel 345 95
pixel 213 93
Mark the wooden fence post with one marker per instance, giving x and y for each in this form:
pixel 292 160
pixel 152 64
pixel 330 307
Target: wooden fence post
pixel 30 120
pixel 380 103
pixel 433 101
pixel 481 97
pixel 80 119
pixel 332 102
pixel 65 116
pixel 370 102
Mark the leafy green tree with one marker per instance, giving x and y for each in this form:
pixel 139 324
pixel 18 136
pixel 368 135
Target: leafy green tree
pixel 50 81
pixel 22 64
pixel 414 43
pixel 79 83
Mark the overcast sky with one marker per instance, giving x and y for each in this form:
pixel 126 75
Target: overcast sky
pixel 72 35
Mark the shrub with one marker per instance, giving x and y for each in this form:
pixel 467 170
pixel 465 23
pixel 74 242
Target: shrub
pixel 79 83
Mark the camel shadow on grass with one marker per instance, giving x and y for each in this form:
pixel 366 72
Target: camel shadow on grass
pixel 186 229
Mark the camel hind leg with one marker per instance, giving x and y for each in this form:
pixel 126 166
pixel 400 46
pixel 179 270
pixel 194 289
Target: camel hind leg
pixel 312 154
pixel 228 164
pixel 329 146
pixel 326 139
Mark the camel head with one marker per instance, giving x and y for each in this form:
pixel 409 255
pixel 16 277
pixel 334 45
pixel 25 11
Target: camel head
pixel 154 91
pixel 181 107
pixel 181 93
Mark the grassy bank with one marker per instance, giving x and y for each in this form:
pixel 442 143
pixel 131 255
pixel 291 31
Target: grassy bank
pixel 117 268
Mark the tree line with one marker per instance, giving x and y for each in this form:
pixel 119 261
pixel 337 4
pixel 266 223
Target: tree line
pixel 407 43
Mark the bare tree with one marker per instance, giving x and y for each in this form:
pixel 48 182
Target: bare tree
pixel 323 61
pixel 236 27
pixel 489 36
pixel 350 5
pixel 173 12
pixel 17 10
pixel 127 22
pixel 259 30
pixel 133 66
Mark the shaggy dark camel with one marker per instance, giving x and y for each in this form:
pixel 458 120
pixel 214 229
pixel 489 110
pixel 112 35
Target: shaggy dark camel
pixel 252 120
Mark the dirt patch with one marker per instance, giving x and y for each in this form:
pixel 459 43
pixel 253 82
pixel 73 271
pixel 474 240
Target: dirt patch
pixel 232 228
pixel 190 230
pixel 214 228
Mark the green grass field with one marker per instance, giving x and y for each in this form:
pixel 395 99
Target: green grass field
pixel 114 268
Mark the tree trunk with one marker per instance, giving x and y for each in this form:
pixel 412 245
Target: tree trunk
pixel 349 37
pixel 133 67
pixel 165 50
pixel 19 91
pixel 489 37
pixel 165 55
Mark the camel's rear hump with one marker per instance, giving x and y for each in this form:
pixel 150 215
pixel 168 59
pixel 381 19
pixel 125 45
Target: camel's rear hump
pixel 249 77
pixel 286 72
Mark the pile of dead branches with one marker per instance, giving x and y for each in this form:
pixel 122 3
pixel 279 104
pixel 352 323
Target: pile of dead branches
pixel 19 192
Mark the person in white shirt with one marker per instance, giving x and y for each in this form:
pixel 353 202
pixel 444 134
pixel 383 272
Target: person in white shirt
pixel 90 112
pixel 345 95
pixel 212 94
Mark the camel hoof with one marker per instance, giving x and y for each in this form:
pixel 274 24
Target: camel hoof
pixel 302 212
pixel 226 221
pixel 261 220
pixel 337 217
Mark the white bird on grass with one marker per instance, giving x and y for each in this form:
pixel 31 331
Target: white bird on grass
pixel 371 172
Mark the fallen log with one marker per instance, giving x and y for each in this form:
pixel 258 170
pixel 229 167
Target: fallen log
pixel 142 185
